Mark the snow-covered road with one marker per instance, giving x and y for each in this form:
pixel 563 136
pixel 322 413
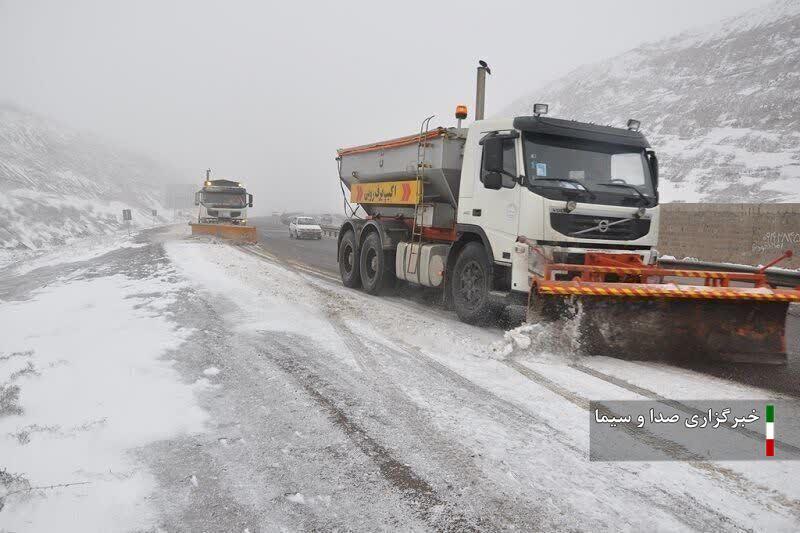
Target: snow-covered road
pixel 191 385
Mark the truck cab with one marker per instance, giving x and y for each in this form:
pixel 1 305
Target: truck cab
pixel 222 201
pixel 561 186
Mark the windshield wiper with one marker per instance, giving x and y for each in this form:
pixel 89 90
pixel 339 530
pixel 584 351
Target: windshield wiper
pixel 570 180
pixel 627 186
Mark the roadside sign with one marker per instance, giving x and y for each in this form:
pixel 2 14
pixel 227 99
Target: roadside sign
pixel 391 192
pixel 126 215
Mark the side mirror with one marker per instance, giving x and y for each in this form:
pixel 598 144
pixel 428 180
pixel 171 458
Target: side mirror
pixel 493 180
pixel 493 154
pixel 249 200
pixel 653 161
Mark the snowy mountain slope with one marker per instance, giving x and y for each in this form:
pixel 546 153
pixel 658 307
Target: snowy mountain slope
pixel 721 105
pixel 56 184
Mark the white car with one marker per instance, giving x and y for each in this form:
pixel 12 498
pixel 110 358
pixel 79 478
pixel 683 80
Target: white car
pixel 304 228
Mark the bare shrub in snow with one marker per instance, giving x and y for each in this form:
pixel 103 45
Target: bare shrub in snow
pixel 11 484
pixel 9 396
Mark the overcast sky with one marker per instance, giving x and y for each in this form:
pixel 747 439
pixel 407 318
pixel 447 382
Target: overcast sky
pixel 265 92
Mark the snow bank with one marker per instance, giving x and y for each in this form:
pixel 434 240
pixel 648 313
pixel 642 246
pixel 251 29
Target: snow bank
pixel 78 250
pixel 84 382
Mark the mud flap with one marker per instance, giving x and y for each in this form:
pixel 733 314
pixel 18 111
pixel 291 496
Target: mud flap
pixel 229 232
pixel 673 329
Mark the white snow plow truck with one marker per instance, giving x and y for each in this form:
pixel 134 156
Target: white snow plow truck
pixel 559 214
pixel 222 210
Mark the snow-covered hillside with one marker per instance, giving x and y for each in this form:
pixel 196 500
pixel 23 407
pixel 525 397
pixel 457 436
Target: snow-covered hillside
pixel 720 104
pixel 57 184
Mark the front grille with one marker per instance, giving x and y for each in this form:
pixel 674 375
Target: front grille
pixel 213 212
pixel 235 213
pixel 629 230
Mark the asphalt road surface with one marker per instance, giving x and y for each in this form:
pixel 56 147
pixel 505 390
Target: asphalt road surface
pixel 316 254
pixel 320 255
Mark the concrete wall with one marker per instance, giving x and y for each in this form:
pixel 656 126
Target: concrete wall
pixel 737 233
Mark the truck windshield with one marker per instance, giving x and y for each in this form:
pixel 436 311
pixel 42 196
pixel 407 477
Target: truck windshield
pixel 225 199
pixel 593 171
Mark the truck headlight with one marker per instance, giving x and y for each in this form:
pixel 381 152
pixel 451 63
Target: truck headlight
pixel 571 205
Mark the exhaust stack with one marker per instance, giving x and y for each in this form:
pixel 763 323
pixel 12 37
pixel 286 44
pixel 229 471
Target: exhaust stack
pixel 480 96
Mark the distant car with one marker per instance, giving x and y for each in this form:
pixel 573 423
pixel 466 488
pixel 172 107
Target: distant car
pixel 304 228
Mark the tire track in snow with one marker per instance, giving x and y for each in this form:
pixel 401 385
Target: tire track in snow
pixel 523 422
pixel 659 498
pixel 442 448
pixel 736 481
pixel 422 497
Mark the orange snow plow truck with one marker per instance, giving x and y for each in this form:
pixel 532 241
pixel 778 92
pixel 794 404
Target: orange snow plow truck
pixel 560 215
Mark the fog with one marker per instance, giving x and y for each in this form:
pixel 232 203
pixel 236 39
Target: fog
pixel 265 92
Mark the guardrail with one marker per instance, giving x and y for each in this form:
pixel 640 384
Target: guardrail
pixel 775 276
pixel 329 230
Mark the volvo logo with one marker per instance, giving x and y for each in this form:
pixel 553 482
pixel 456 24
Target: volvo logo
pixel 602 226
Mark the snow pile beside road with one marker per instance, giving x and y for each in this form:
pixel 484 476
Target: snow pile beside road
pixel 82 382
pixel 24 261
pixel 542 341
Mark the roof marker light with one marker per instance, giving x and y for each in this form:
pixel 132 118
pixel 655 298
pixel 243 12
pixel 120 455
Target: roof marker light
pixel 540 109
pixel 633 125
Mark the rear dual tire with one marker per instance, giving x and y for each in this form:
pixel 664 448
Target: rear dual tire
pixel 371 268
pixel 349 261
pixel 376 266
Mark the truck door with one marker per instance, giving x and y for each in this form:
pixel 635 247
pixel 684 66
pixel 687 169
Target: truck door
pixel 497 211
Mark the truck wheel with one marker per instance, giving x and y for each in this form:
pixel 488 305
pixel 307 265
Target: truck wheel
pixel 348 261
pixel 471 283
pixel 376 270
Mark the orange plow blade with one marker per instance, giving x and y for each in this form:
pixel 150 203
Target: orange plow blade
pixel 229 232
pixel 646 312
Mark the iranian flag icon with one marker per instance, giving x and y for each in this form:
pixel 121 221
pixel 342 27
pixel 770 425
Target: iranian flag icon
pixel 770 430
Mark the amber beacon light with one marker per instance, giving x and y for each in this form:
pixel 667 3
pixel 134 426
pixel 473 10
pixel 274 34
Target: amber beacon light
pixel 461 113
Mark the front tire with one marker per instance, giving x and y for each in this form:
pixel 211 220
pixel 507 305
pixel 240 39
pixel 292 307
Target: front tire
pixel 348 261
pixel 376 270
pixel 471 284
